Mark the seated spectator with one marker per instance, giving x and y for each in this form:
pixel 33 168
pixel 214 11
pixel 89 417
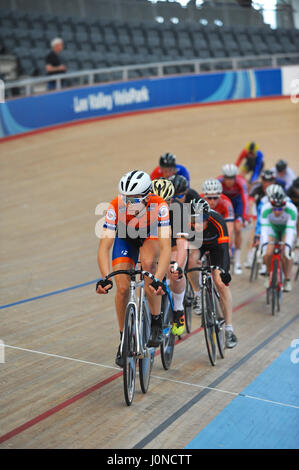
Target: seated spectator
pixel 53 62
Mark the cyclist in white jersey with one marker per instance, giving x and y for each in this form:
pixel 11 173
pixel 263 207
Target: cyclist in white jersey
pixel 278 222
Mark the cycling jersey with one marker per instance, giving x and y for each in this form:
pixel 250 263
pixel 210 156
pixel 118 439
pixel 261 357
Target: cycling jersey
pixel 278 226
pixel 181 170
pixel 132 229
pixel 224 207
pixel 238 195
pixel 215 239
pixel 251 164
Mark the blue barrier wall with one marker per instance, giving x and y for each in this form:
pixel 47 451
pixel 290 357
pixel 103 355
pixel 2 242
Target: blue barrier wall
pixel 23 115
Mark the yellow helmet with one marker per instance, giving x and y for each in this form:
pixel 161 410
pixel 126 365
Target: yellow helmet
pixel 164 188
pixel 252 147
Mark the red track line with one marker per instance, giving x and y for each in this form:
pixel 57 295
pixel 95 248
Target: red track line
pixel 84 393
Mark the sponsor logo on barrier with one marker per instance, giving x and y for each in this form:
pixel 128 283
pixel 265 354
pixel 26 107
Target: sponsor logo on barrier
pixel 2 91
pixel 94 102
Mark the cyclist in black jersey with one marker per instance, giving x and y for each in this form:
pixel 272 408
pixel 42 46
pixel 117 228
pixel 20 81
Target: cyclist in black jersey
pixel 208 233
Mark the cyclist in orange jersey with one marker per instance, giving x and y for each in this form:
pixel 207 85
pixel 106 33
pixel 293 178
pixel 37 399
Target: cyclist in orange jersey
pixel 136 225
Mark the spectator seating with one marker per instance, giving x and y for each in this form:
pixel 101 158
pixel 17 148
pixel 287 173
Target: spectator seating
pixel 91 43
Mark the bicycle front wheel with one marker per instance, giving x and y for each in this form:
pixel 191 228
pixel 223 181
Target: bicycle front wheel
pixel 146 363
pixel 167 346
pixel 129 354
pixel 188 302
pixel 209 325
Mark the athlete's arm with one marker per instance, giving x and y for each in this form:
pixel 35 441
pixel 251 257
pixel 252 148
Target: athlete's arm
pixel 241 157
pixel 164 234
pixel 105 246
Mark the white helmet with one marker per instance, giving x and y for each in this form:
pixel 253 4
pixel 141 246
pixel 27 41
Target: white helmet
pixel 230 170
pixel 135 182
pixel 276 195
pixel 212 186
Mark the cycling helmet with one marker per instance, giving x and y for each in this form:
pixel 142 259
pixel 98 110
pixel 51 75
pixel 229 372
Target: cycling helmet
pixel 212 186
pixel 276 195
pixel 267 175
pixel 179 182
pixel 135 182
pixel 164 188
pixel 200 208
pixel 168 160
pixel 251 147
pixel 230 170
pixel 281 165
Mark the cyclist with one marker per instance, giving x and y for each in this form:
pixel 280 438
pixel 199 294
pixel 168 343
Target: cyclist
pixel 284 172
pixel 235 188
pixel 185 195
pixel 250 162
pixel 212 229
pixel 136 225
pixel 165 189
pixel 168 167
pixel 278 222
pixel 256 196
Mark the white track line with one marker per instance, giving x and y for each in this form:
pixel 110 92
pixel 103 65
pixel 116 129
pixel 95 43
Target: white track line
pixel 166 379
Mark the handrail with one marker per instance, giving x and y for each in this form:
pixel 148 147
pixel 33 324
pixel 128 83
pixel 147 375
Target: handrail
pixel 28 83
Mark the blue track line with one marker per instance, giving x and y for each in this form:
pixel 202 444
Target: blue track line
pixel 55 292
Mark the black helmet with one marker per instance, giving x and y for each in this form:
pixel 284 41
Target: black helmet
pixel 200 207
pixel 168 160
pixel 267 175
pixel 179 182
pixel 296 183
pixel 281 165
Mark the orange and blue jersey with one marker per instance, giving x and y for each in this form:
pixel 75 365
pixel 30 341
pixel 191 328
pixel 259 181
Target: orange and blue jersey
pixel 132 230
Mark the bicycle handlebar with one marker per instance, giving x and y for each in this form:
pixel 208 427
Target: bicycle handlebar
pixel 207 268
pixel 277 243
pixel 131 273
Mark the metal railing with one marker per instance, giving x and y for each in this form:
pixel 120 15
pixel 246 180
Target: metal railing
pixel 29 86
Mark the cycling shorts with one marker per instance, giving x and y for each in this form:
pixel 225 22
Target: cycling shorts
pixel 238 207
pixel 127 250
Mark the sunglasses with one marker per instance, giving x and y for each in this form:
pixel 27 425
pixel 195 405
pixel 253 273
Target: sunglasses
pixel 279 209
pixel 132 200
pixel 179 196
pixel 215 198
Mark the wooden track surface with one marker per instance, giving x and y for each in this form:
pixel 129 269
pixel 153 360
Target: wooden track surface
pixel 59 385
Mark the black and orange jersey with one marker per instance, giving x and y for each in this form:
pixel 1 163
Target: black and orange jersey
pixel 216 230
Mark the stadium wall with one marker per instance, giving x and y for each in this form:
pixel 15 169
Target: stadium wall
pixel 41 112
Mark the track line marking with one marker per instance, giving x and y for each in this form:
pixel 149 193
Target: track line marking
pixel 97 386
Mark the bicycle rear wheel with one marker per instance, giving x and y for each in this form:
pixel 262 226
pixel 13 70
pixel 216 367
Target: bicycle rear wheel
pixel 146 363
pixel 209 325
pixel 167 346
pixel 129 354
pixel 188 302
